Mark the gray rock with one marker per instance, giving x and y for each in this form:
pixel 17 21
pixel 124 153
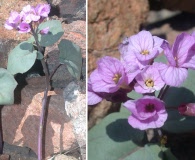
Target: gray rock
pixel 75 106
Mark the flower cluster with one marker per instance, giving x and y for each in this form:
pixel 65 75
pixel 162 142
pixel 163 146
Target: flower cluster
pixel 137 70
pixel 22 21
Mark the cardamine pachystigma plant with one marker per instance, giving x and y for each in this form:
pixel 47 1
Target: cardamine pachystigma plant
pixel 154 81
pixel 34 20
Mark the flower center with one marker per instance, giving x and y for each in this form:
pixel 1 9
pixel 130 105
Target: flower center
pixel 149 83
pixel 145 52
pixel 116 78
pixel 149 108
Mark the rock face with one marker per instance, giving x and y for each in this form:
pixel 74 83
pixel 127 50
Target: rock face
pixel 20 122
pixel 75 106
pixel 109 22
pixel 71 10
pixel 182 5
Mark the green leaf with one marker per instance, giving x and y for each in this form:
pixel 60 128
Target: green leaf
pixel 21 58
pixel 7 86
pixel 70 54
pixel 54 34
pixel 31 39
pixel 150 152
pixel 39 55
pixel 113 139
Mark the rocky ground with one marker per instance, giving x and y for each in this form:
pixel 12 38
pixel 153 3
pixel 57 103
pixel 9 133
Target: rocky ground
pixel 20 121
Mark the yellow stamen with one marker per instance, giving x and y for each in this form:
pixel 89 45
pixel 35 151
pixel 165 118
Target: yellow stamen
pixel 149 82
pixel 116 78
pixel 145 52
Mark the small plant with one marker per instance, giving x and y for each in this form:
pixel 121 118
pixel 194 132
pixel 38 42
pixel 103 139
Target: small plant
pixel 34 20
pixel 146 81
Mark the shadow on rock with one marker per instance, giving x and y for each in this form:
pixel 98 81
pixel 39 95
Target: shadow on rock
pixel 180 22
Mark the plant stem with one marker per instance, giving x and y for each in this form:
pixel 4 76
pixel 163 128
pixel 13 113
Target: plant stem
pixel 163 91
pixel 1 133
pixel 44 100
pixel 43 111
pixel 51 75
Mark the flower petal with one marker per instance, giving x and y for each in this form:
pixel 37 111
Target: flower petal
pixel 173 76
pixel 98 85
pixel 93 98
pixel 157 43
pixel 131 106
pixel 181 47
pixel 153 122
pixel 167 51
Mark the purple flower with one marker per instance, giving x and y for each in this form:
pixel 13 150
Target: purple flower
pixel 24 28
pixel 29 14
pixel 43 10
pixel 109 76
pixel 149 80
pixel 187 109
pixel 13 21
pixel 180 57
pixel 147 112
pixel 93 98
pixel 144 46
pixel 131 64
pixel 44 31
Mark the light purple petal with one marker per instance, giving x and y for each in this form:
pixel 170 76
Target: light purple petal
pixel 8 25
pixel 191 63
pixel 43 10
pixel 173 76
pixel 153 122
pixel 131 71
pixel 24 28
pixel 157 43
pixel 148 73
pixel 98 85
pixel 181 47
pixel 167 51
pixel 14 17
pixel 108 67
pixel 44 31
pixel 143 117
pixel 139 89
pixel 142 42
pixel 27 9
pixel 35 17
pixel 93 98
pixel 130 105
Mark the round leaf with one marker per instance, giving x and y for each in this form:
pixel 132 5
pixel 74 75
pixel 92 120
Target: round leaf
pixel 150 152
pixel 70 54
pixel 7 86
pixel 113 138
pixel 21 58
pixel 54 34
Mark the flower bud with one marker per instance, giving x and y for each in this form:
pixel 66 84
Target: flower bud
pixel 187 109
